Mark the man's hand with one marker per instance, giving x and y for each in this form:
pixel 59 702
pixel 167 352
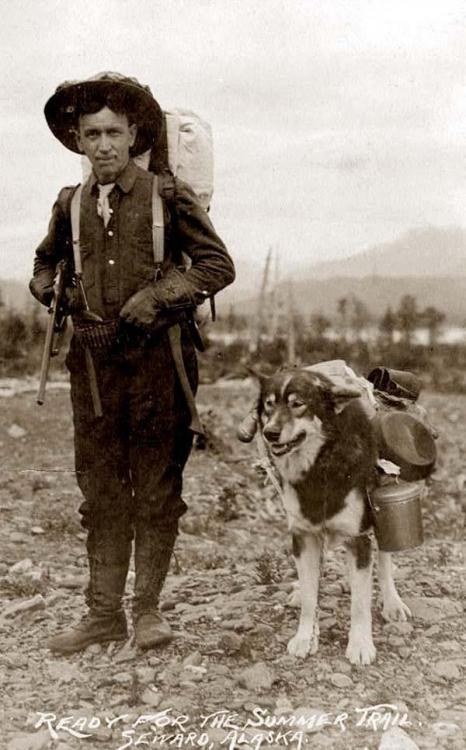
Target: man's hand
pixel 141 309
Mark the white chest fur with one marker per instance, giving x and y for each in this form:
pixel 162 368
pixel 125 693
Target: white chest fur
pixel 344 524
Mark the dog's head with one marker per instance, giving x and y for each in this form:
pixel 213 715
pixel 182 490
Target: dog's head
pixel 297 409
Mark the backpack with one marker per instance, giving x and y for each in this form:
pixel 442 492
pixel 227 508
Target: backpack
pixel 185 149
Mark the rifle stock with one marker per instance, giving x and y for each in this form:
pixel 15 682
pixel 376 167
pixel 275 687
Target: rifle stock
pixel 55 327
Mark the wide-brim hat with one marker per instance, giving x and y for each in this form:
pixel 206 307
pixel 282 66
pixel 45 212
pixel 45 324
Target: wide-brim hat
pixel 405 440
pixel 127 94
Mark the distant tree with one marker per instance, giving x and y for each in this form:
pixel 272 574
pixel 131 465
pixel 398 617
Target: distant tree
pixel 342 308
pixel 387 324
pixel 359 316
pixel 432 319
pixel 14 335
pixel 319 324
pixel 408 317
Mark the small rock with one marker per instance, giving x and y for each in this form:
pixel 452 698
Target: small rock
pixel 126 653
pixel 445 729
pixel 151 697
pixel 94 650
pixel 446 669
pixel 395 641
pixel 329 603
pixel 145 675
pixel 399 628
pixel 37 530
pixel 15 431
pixel 18 538
pixel 24 605
pixel 168 604
pixel 230 642
pixel 257 677
pixel 397 739
pixel 239 624
pixel 450 646
pixel 123 678
pixel 404 652
pixel 21 567
pixel 263 629
pixel 283 705
pixel 37 741
pixel 433 630
pixel 334 589
pixel 432 609
pixel 72 582
pixel 63 672
pixel 103 734
pixel 193 659
pixel 341 680
pixel 326 623
pixel 342 666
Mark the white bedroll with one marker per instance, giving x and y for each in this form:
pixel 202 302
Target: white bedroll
pixel 190 153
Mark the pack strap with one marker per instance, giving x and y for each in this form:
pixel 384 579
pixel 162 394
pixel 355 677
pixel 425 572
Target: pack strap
pixel 158 226
pixel 174 331
pixel 75 215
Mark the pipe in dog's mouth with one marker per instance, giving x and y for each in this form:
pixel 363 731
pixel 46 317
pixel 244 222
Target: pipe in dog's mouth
pixel 279 449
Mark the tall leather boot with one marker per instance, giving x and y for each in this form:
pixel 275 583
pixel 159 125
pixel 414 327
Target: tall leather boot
pixel 153 552
pixel 105 621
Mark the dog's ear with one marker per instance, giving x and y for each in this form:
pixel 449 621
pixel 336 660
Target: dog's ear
pixel 260 376
pixel 342 395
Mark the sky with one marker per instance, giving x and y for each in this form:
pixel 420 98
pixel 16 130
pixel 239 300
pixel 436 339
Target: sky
pixel 338 124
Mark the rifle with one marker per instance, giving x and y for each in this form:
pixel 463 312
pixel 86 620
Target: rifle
pixel 55 328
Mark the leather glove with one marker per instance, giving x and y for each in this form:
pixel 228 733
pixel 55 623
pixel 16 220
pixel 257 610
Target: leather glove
pixel 41 287
pixel 141 309
pixel 169 294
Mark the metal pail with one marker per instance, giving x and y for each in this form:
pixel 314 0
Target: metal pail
pixel 397 516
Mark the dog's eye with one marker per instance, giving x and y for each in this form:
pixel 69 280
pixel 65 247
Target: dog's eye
pixel 295 403
pixel 269 403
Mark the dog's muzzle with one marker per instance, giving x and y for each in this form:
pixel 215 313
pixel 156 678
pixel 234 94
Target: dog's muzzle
pixel 278 448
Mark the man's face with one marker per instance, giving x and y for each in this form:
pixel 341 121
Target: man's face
pixel 106 138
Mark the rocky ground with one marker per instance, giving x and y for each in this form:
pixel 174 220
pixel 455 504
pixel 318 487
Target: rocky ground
pixel 226 599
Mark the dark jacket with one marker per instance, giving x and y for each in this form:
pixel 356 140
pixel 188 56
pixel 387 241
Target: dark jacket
pixel 118 259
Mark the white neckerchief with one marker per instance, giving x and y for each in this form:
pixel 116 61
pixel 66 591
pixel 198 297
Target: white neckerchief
pixel 103 205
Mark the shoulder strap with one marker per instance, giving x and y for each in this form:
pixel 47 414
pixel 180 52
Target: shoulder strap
pixel 158 229
pixel 75 214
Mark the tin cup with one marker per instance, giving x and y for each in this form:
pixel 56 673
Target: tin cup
pixel 397 516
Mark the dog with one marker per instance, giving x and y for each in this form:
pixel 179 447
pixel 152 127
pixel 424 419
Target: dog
pixel 321 441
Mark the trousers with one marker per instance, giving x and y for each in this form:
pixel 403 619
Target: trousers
pixel 130 461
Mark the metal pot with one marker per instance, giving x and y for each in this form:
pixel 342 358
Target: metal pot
pixel 397 516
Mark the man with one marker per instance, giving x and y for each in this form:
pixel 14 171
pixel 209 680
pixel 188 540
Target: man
pixel 130 460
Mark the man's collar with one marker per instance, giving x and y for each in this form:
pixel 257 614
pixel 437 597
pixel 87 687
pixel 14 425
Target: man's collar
pixel 125 179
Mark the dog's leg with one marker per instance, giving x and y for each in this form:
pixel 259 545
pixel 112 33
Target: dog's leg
pixel 307 549
pixel 393 606
pixel 360 648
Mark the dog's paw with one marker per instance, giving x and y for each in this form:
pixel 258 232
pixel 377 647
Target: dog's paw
pixel 360 650
pixel 394 608
pixel 300 646
pixel 294 598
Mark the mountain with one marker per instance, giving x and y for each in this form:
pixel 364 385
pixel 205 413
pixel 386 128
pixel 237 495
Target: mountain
pixel 429 264
pixel 419 252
